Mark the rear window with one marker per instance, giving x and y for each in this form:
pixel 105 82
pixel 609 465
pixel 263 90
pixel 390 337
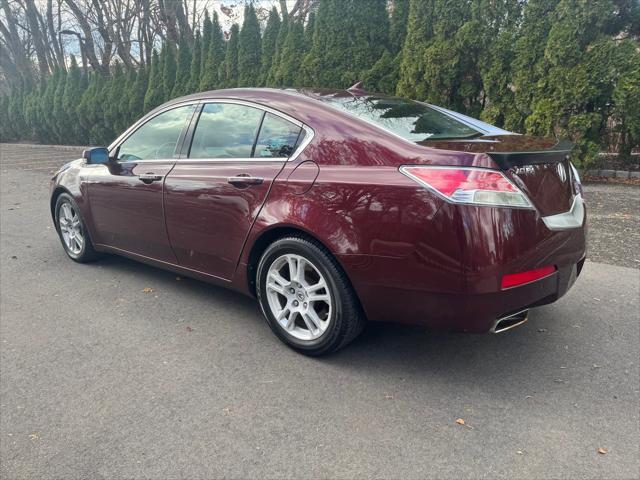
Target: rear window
pixel 277 138
pixel 411 120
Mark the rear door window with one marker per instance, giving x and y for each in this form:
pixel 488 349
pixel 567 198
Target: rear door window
pixel 225 130
pixel 277 139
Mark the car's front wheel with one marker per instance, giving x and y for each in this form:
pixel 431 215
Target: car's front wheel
pixel 306 297
pixel 72 230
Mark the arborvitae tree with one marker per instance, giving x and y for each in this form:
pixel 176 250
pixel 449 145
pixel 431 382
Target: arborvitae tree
pixel 196 62
pixel 6 134
pixel 440 55
pixel 581 72
pixel 90 111
pixel 207 31
pixel 47 106
pixel 269 40
pixel 309 29
pixel 282 36
pixel 496 63
pixel 137 94
pixel 114 97
pixel 125 112
pixel 625 110
pixel 385 73
pixel 40 127
pixel 347 42
pixel 183 71
pixel 154 95
pixel 231 58
pixel 398 25
pixel 308 69
pixel 16 112
pixel 249 49
pixel 529 50
pixel 32 111
pixel 315 65
pixel 84 80
pixel 290 57
pixel 59 129
pixel 419 34
pixel 368 34
pixel 383 76
pixel 210 76
pixel 72 92
pixel 169 68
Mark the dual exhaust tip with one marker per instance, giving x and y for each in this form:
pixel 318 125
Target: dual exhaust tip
pixel 510 321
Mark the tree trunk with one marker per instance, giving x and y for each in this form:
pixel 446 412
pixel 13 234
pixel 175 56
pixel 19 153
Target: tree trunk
pixel 36 34
pixel 89 45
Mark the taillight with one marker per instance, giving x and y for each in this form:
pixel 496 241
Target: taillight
pixel 522 278
pixel 469 185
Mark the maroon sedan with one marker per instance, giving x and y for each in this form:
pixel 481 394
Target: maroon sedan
pixel 333 208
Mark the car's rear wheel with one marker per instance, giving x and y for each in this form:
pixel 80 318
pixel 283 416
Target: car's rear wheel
pixel 72 230
pixel 306 298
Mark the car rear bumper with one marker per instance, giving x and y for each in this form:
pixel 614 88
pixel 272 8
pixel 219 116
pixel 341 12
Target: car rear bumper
pixel 464 312
pixel 464 293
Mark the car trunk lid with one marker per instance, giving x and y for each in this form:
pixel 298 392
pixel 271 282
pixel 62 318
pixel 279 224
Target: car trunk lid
pixel 539 166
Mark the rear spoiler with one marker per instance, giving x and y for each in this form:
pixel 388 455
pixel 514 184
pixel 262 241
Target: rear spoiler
pixel 506 160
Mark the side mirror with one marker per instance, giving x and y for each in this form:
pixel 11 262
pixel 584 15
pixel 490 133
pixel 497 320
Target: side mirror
pixel 96 155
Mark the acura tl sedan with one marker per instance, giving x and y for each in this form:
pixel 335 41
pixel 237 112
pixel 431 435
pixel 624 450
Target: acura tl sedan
pixel 334 208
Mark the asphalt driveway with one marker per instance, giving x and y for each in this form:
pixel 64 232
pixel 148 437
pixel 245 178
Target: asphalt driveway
pixel 102 378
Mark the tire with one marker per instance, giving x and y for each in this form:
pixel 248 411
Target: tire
pixel 338 317
pixel 72 230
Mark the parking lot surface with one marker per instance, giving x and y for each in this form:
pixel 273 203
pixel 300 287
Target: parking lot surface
pixel 102 378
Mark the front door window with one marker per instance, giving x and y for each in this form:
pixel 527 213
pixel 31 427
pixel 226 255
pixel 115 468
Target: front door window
pixel 158 138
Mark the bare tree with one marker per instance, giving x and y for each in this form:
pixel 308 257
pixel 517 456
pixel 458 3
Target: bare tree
pixel 37 36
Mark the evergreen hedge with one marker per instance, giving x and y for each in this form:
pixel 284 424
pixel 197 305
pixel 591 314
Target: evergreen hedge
pixel 546 67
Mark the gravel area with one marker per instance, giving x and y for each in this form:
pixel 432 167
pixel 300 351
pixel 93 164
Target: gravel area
pixel 613 213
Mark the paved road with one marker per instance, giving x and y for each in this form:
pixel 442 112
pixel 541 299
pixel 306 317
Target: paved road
pixel 101 380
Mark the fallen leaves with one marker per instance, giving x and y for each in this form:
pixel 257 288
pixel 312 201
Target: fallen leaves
pixel 461 421
pixel 602 451
pixel 188 328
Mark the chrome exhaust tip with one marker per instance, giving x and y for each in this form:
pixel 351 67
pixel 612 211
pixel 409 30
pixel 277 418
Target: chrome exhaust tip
pixel 510 321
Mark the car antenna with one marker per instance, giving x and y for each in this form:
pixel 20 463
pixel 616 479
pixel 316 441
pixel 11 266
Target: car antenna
pixel 357 88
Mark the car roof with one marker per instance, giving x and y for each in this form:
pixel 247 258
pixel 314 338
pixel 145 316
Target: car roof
pixel 294 102
pixel 309 105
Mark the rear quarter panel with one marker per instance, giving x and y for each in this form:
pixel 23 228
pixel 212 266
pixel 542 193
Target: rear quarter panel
pixel 363 212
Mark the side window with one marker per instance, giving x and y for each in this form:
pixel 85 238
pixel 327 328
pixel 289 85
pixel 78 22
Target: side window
pixel 157 138
pixel 278 137
pixel 225 130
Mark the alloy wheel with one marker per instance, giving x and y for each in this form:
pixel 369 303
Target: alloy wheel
pixel 299 297
pixel 70 228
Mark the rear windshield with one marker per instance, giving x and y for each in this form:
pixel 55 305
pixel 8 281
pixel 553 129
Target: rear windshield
pixel 412 120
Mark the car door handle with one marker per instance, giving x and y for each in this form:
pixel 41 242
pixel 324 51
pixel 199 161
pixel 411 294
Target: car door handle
pixel 149 177
pixel 245 180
